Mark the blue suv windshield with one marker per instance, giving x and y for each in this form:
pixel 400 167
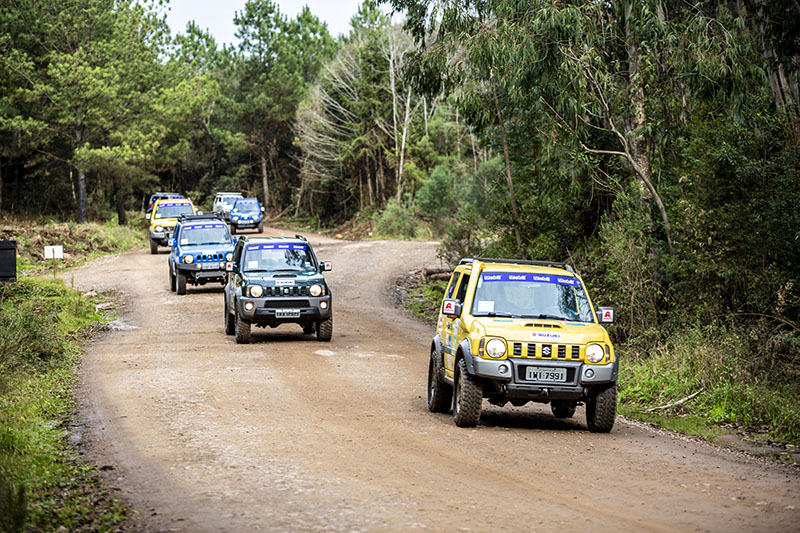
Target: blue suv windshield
pixel 275 257
pixel 246 207
pixel 205 234
pixel 541 296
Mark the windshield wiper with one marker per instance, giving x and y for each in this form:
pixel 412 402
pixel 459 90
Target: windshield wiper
pixel 286 270
pixel 545 317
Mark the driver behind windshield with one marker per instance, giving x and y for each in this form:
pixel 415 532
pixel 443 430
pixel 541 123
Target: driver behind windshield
pixel 531 296
pixel 286 257
pixel 205 234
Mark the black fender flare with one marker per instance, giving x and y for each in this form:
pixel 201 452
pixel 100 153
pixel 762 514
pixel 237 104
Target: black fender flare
pixel 466 353
pixel 437 350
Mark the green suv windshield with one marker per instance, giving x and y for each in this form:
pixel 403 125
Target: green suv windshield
pixel 205 234
pixel 278 257
pixel 522 295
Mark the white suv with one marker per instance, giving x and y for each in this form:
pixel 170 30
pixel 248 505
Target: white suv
pixel 223 203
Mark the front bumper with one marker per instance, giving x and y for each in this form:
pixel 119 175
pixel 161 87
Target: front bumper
pixel 203 270
pixel 245 224
pixel 265 310
pixel 509 376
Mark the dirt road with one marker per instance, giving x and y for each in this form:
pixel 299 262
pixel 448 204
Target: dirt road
pixel 292 434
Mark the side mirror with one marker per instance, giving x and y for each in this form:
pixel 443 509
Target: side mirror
pixel 262 209
pixel 146 216
pixel 327 266
pixel 235 239
pixel 171 243
pixel 199 212
pixel 605 315
pixel 451 307
pixel 228 267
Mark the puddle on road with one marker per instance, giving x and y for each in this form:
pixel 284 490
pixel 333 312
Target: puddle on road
pixel 118 325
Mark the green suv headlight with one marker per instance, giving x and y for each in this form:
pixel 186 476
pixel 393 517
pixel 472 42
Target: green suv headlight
pixel 255 291
pixel 188 259
pixel 496 348
pixel 316 290
pixel 595 353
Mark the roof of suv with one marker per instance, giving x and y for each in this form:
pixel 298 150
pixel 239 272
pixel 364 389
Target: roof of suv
pixel 297 239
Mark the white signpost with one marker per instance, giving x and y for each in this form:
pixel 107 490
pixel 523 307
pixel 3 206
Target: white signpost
pixel 53 253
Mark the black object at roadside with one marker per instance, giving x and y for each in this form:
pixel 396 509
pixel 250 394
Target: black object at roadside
pixel 8 261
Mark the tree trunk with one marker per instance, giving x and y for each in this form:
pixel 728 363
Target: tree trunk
pixel 1 185
pixel 514 211
pixel 265 179
pixel 83 206
pixel 403 147
pixel 122 216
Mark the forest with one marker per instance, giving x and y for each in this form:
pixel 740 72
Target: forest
pixel 652 144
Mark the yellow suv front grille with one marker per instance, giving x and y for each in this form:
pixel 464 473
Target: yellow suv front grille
pixel 568 352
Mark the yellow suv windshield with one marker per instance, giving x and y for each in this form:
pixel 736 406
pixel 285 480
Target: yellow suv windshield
pixel 521 295
pixel 173 210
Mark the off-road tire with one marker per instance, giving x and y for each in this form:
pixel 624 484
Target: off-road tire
pixel 241 330
pixel 467 397
pixel 601 409
pixel 230 320
pixel 440 394
pixel 153 247
pixel 180 283
pixel 261 227
pixel 325 329
pixel 171 280
pixel 563 408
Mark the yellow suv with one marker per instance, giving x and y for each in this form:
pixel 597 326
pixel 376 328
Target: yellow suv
pixel 164 217
pixel 521 331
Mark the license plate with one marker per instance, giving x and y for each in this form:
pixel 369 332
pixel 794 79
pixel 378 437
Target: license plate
pixel 209 266
pixel 287 313
pixel 542 373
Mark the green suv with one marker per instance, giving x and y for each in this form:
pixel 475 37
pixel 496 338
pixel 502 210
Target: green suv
pixel 274 281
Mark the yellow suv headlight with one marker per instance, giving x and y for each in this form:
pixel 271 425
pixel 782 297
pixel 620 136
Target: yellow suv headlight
pixel 595 353
pixel 255 291
pixel 495 348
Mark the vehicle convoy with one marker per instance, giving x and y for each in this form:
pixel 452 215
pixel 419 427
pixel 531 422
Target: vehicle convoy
pixel 274 281
pixel 164 218
pixel 223 203
pixel 247 213
pixel 201 248
pixel 521 331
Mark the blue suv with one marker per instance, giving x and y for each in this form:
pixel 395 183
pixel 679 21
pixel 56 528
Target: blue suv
pixel 247 213
pixel 201 246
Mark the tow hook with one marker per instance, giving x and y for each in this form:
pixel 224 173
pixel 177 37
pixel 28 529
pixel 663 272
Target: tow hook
pixel 545 391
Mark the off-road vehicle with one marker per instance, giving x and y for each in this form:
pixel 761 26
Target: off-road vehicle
pixel 274 281
pixel 223 203
pixel 521 331
pixel 201 249
pixel 247 213
pixel 163 219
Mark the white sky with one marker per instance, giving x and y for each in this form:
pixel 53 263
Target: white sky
pixel 217 16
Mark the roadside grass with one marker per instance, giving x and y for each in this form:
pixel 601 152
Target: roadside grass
pixel 739 381
pixel 43 483
pixel 735 385
pixel 81 242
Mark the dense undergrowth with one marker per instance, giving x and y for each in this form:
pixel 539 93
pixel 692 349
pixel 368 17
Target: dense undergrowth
pixel 44 485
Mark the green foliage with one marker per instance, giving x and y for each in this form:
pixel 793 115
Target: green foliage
pixel 42 484
pixel 398 222
pixel 437 197
pixel 425 299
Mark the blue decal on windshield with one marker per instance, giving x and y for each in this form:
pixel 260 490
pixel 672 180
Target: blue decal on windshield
pixel 204 226
pixel 539 278
pixel 275 247
pixel 174 204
